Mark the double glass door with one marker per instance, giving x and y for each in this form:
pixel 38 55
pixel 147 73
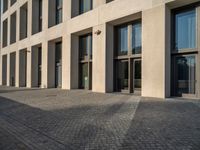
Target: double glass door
pixel 185 75
pixel 129 75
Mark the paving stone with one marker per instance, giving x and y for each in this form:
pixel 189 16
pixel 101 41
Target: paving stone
pixel 60 119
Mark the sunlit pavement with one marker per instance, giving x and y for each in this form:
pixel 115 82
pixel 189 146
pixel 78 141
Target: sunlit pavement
pixel 77 119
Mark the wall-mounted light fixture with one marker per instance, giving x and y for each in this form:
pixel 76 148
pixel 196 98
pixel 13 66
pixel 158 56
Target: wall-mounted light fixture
pixel 98 32
pixel 28 51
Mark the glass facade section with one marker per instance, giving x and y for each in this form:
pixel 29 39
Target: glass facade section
pixel 58 11
pixel 186 78
pixel 122 40
pixel 122 75
pixel 185 30
pixel 85 46
pixel 85 5
pixel 136 38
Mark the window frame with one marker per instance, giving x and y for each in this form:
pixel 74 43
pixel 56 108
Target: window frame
pixel 186 51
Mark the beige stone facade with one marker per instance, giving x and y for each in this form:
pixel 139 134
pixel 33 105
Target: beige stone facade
pixel 155 18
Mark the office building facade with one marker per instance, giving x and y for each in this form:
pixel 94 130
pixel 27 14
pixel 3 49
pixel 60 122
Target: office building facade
pixel 146 47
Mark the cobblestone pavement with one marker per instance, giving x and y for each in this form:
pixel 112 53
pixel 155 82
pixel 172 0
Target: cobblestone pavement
pixel 74 120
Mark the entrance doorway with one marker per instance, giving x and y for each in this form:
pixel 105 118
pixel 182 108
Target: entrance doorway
pixel 23 67
pixel 58 65
pixel 128 76
pixel 12 68
pixel 4 70
pixel 185 75
pixel 127 59
pixel 85 61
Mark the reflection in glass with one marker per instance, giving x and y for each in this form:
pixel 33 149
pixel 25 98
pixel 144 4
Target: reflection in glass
pixel 122 45
pixel 136 38
pixel 85 46
pixel 84 76
pixel 58 11
pixel 122 75
pixel 138 74
pixel 185 23
pixel 85 5
pixel 186 69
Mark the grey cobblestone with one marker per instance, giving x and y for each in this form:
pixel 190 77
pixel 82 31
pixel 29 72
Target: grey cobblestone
pixel 59 119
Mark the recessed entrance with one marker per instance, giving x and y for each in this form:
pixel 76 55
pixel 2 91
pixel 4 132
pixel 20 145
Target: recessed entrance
pixel 36 69
pixel 4 70
pixel 185 75
pixel 128 57
pixel 85 61
pixel 128 76
pixel 12 68
pixel 23 67
pixel 58 65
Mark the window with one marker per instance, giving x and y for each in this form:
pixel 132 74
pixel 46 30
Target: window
pixel 185 30
pixel 85 46
pixel 36 16
pixel 184 52
pixel 127 60
pixel 13 28
pixel 23 21
pixel 12 2
pixel 58 11
pixel 122 40
pixel 85 6
pixel 5 32
pixel 85 61
pixel 5 5
pixel 136 38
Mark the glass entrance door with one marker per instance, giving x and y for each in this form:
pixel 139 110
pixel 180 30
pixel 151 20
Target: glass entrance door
pixel 122 75
pixel 185 75
pixel 58 65
pixel 39 66
pixel 84 76
pixel 137 72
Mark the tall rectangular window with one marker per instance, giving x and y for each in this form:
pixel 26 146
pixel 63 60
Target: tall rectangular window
pixel 136 38
pixel 85 46
pixel 13 28
pixel 85 6
pixel 5 5
pixel 5 33
pixel 122 40
pixel 23 21
pixel 184 64
pixel 40 15
pixel 36 16
pixel 185 30
pixel 58 11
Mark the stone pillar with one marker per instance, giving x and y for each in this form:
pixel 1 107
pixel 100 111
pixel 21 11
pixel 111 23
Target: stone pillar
pixel 102 67
pixel 97 3
pixel 155 53
pixel 45 8
pixel 66 62
pixel 67 10
pixel 44 65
